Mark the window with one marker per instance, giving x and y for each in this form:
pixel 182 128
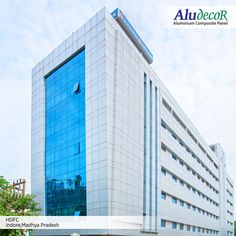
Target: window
pixel 193 228
pixel 76 88
pixel 163 148
pixel 188 227
pixel 174 200
pixel 181 226
pixel 174 178
pixel 181 162
pixel 163 223
pixel 181 182
pixel 163 195
pixel 166 105
pixel 174 136
pixel 163 125
pixel 174 225
pixel 174 157
pixel 194 208
pixel 163 172
pixel 188 206
pixel 181 203
pixel 78 148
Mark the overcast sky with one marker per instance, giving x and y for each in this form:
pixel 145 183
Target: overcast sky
pixel 196 65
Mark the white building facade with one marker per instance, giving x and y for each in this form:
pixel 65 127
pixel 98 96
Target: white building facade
pixel 136 153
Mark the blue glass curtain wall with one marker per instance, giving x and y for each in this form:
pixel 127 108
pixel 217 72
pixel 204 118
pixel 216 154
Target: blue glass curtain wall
pixel 65 157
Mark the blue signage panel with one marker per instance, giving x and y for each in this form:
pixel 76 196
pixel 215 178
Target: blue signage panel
pixel 119 16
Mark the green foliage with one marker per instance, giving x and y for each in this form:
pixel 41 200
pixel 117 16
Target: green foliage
pixel 4 185
pixel 12 232
pixel 13 204
pixel 234 228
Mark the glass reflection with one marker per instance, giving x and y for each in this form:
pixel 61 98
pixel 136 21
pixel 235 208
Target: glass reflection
pixel 65 156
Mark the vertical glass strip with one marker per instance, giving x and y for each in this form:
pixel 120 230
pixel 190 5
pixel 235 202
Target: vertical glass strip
pixel 145 146
pixel 156 157
pixel 150 152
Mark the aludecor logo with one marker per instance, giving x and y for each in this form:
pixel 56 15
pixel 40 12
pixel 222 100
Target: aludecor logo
pixel 201 17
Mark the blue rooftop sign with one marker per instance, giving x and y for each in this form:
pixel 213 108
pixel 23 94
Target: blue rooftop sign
pixel 133 35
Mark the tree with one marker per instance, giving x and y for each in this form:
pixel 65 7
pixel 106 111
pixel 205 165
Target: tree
pixel 4 184
pixel 234 228
pixel 14 204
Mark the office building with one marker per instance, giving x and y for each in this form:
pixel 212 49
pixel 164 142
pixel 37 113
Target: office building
pixel 108 138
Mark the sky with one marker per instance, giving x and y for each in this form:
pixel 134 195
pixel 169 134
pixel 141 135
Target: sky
pixel 196 65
